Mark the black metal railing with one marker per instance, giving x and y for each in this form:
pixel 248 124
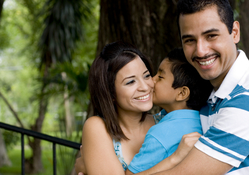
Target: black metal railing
pixel 41 136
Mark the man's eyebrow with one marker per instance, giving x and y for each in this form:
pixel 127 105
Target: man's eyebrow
pixel 203 33
pixel 210 30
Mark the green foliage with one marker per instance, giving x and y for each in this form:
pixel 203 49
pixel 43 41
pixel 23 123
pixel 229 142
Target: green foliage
pixel 5 38
pixel 10 139
pixel 20 56
pixel 47 159
pixel 63 27
pixel 18 61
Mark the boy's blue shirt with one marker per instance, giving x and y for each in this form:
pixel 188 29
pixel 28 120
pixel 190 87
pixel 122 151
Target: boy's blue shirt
pixel 163 138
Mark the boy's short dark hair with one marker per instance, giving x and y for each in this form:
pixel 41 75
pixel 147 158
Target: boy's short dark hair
pixel 224 8
pixel 186 75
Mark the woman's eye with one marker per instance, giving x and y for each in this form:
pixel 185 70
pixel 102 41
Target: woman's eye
pixel 147 76
pixel 130 82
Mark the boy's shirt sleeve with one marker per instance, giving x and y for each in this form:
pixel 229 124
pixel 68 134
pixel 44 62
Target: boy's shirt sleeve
pixel 151 153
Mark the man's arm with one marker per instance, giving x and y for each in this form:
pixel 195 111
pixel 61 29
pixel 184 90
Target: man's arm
pixel 197 163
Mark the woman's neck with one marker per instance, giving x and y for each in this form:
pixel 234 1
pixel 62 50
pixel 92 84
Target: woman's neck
pixel 130 122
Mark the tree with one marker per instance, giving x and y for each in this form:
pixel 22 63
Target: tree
pixel 149 25
pixel 1 7
pixel 243 6
pixel 63 28
pixel 3 153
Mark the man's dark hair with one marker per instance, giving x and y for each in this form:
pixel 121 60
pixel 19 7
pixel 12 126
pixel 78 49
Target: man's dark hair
pixel 186 75
pixel 224 8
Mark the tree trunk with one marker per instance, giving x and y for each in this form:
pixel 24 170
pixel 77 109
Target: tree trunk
pixel 244 25
pixel 34 163
pixel 149 25
pixel 11 110
pixel 4 159
pixel 241 6
pixel 68 116
pixel 1 8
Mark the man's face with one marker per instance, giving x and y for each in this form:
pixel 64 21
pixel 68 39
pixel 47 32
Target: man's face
pixel 207 44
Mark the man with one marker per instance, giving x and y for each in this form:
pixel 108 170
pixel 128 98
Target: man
pixel 209 36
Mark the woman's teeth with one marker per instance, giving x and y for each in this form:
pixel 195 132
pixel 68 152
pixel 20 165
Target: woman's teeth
pixel 144 97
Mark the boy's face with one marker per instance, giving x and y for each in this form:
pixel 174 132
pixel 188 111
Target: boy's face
pixel 164 94
pixel 207 44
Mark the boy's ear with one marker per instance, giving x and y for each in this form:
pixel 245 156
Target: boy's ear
pixel 183 93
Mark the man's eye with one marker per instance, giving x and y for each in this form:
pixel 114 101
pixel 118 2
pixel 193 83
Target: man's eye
pixel 212 36
pixel 160 77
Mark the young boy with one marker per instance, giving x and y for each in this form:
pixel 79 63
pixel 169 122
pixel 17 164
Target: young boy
pixel 181 92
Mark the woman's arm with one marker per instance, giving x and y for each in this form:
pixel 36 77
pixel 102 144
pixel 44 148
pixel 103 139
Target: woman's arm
pixel 97 149
pixel 183 149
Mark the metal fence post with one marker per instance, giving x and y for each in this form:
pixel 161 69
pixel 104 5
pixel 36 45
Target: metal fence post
pixel 23 155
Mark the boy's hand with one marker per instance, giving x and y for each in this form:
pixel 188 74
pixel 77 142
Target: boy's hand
pixel 186 144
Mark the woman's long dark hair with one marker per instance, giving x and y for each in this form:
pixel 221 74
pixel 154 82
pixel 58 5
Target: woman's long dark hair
pixel 102 77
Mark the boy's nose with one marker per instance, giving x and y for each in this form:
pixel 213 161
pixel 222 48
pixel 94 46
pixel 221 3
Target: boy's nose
pixel 154 78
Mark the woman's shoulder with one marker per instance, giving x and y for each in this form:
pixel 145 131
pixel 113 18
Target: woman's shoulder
pixel 94 122
pixel 94 126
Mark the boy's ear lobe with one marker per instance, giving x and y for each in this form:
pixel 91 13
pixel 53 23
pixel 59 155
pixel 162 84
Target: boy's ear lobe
pixel 183 94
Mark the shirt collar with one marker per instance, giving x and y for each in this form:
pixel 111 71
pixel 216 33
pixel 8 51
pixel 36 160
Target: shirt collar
pixel 238 69
pixel 179 114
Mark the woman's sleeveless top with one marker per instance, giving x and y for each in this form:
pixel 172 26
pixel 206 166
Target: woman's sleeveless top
pixel 118 147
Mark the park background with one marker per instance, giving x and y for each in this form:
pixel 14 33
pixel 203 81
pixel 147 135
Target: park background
pixel 46 49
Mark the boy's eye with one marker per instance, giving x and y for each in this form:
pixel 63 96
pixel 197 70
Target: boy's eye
pixel 130 82
pixel 188 40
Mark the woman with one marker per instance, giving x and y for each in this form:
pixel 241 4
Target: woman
pixel 121 90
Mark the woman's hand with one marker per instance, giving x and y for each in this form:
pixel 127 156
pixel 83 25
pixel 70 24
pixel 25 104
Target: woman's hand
pixel 79 164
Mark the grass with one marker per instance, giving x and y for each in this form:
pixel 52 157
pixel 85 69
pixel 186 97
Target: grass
pixel 65 159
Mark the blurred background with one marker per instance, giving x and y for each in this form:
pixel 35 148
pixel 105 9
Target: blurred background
pixel 46 50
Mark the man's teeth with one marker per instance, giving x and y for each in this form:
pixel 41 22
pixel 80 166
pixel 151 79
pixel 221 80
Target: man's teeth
pixel 205 63
pixel 144 97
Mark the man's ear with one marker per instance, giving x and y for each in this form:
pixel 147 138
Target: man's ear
pixel 183 93
pixel 236 32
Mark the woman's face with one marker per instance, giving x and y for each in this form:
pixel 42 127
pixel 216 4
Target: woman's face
pixel 134 87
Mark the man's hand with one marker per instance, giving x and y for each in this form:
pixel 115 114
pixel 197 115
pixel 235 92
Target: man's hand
pixel 79 164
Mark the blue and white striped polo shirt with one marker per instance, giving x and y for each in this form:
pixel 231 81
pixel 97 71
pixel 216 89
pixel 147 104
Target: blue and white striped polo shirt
pixel 225 120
